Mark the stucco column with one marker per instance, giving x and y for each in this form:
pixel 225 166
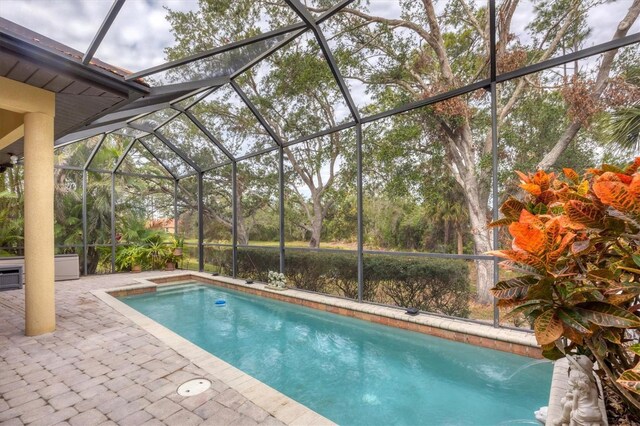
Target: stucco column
pixel 40 315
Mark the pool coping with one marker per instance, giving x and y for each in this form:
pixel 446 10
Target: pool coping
pixel 484 335
pixel 280 406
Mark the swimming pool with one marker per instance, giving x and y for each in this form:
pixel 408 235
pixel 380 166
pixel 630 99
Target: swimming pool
pixel 352 371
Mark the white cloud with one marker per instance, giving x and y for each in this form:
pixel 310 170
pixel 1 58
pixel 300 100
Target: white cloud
pixel 73 23
pixel 140 32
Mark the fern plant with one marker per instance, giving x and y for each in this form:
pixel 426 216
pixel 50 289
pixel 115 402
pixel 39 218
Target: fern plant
pixel 576 248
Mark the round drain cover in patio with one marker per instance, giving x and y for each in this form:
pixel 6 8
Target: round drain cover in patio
pixel 193 387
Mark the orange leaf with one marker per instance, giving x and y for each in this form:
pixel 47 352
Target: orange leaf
pixel 633 167
pixel 571 174
pixel 543 179
pixel 520 256
pixel 527 237
pixel 634 187
pixel 616 194
pixel 566 240
pixel 523 177
pixel 531 188
pixel 547 327
pixel 547 197
pixel 583 213
pixel 624 178
pixel 527 217
pixel 528 234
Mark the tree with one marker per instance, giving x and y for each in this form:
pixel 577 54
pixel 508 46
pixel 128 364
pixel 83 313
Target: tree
pixel 624 128
pixel 294 104
pixel 428 50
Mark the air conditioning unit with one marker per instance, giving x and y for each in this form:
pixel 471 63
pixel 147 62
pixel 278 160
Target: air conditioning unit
pixel 10 278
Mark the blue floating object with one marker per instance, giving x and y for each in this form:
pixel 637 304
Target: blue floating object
pixel 221 302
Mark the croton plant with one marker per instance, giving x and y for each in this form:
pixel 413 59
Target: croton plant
pixel 575 267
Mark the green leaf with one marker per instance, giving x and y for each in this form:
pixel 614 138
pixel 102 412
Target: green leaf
pixel 512 208
pixel 501 222
pixel 580 290
pixel 607 315
pixel 611 168
pixel 614 224
pixel 580 246
pixel 630 379
pixel 625 268
pixel 524 308
pixel 520 268
pixel 636 259
pixel 540 208
pixel 542 290
pixel 547 327
pixel 635 348
pixel 514 288
pixel 574 320
pixel 601 274
pixel 612 335
pixel 552 352
pixel 628 286
pixel 600 346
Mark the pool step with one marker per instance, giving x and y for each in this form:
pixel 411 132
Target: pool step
pixel 182 289
pixel 162 288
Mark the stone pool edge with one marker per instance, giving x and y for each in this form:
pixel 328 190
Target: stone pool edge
pixel 282 407
pixel 484 335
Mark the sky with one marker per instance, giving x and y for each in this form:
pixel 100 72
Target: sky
pixel 140 32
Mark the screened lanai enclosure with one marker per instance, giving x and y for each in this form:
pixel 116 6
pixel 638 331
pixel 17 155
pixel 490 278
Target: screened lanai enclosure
pixel 359 147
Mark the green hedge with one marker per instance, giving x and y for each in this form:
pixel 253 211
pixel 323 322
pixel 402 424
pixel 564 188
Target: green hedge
pixel 434 285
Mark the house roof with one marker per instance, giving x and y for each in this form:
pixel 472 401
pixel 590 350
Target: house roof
pixel 83 92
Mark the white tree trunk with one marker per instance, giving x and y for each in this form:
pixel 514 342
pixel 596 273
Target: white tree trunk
pixel 478 217
pixel 316 223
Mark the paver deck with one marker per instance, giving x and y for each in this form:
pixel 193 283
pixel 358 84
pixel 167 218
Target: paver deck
pixel 100 368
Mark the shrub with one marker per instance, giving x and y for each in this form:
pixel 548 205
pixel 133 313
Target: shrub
pixel 220 258
pixel 576 242
pixel 433 285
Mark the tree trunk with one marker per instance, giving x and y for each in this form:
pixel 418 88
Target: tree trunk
pixel 460 242
pixel 316 224
pixel 446 233
pixel 461 153
pixel 241 229
pixel 243 238
pixel 478 213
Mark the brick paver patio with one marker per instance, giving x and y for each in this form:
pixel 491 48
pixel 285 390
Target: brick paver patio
pixel 100 368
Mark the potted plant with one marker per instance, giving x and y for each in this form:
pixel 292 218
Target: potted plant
pixel 131 257
pixel 576 253
pixel 157 251
pixel 177 246
pixel 171 261
pixel 276 281
pixel 174 254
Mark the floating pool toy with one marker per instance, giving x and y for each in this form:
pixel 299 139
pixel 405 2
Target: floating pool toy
pixel 221 302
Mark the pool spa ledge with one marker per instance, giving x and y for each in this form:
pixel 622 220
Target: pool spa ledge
pixel 280 406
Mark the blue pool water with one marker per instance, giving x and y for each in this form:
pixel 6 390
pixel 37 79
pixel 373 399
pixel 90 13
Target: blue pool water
pixel 351 371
